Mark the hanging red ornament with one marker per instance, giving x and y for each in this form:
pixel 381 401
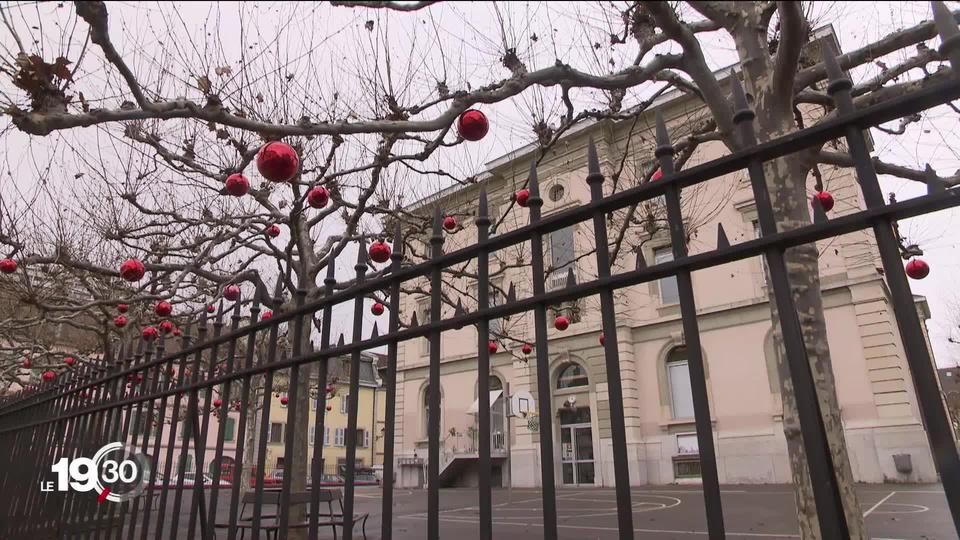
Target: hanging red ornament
pixel 150 333
pixel 492 347
pixel 177 332
pixel 284 400
pixel 273 231
pixel 163 309
pixel 237 185
pixel 522 197
pixel 527 348
pixel 658 174
pixel 377 309
pixel 231 292
pixel 329 389
pixel 8 266
pixel 217 403
pixel 603 339
pixel 918 268
pixel 267 315
pixel 449 223
pixel 69 360
pixel 166 327
pixel 132 270
pixel 379 251
pixel 825 199
pixel 25 363
pixel 139 378
pixel 472 125
pixel 122 308
pixel 83 395
pixel 329 408
pixel 278 161
pixel 119 321
pixel 561 323
pixel 49 375
pixel 318 197
pixel 211 309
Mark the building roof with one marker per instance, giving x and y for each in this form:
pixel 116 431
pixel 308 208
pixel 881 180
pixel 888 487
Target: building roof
pixel 339 368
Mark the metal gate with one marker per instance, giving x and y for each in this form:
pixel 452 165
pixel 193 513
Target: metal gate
pixel 71 416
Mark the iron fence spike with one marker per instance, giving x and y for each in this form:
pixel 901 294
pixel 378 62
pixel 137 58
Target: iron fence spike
pixel 593 160
pixel 512 293
pixel 375 333
pixel 571 278
pixel 413 320
pixel 722 241
pixel 641 263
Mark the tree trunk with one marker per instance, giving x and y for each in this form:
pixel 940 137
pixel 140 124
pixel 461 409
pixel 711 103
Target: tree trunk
pixel 786 179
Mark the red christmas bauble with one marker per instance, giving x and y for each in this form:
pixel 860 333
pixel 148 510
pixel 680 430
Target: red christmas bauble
pixel 273 231
pixel 231 292
pixel 379 252
pixel 603 339
pixel 918 269
pixel 139 378
pixel 217 403
pixel 150 333
pixel 329 389
pixel 318 197
pixel 492 346
pixel 49 375
pixel 449 223
pixel 527 348
pixel 377 309
pixel 561 323
pixel 8 266
pixel 69 360
pixel 122 308
pixel 119 321
pixel 177 332
pixel 472 125
pixel 278 161
pixel 267 315
pixel 658 174
pixel 329 408
pixel 211 309
pixel 132 270
pixel 166 327
pixel 163 309
pixel 25 363
pixel 237 185
pixel 284 400
pixel 522 197
pixel 825 198
pixel 83 395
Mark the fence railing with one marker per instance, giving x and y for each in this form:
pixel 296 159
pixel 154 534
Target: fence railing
pixel 71 417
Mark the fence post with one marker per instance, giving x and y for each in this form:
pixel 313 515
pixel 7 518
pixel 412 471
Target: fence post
pixel 433 427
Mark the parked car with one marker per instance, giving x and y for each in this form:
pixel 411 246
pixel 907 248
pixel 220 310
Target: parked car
pixel 189 480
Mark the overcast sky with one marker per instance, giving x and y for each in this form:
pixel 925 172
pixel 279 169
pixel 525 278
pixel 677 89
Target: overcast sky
pixel 330 49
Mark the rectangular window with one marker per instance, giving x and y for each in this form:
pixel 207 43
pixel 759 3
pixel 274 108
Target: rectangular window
pixel 185 430
pixel 681 394
pixel 326 436
pixel 763 260
pixel 276 432
pixel 687 444
pixel 338 440
pixel 687 467
pixel 313 435
pixel 229 427
pixel 362 441
pixel 669 293
pixel 560 243
pixel 344 404
pixel 423 316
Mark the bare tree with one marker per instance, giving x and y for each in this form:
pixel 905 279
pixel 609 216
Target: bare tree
pixel 369 106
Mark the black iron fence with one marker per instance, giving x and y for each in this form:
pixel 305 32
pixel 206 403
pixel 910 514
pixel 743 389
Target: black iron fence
pixel 100 402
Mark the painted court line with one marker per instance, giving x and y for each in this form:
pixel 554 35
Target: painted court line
pixel 874 507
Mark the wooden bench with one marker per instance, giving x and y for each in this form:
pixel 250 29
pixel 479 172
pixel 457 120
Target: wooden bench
pixel 269 519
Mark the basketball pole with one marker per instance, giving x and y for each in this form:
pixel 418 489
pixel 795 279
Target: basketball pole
pixel 508 435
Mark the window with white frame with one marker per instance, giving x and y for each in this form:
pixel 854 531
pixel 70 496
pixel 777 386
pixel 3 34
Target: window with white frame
pixel 275 434
pixel 229 429
pixel 338 438
pixel 344 404
pixel 326 436
pixel 423 316
pixel 562 256
pixel 669 292
pixel 687 444
pixel 313 435
pixel 763 260
pixel 363 438
pixel 678 380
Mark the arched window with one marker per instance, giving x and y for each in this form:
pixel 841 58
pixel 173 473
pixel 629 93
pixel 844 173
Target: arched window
pixel 678 379
pixel 426 410
pixel 571 375
pixel 495 383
